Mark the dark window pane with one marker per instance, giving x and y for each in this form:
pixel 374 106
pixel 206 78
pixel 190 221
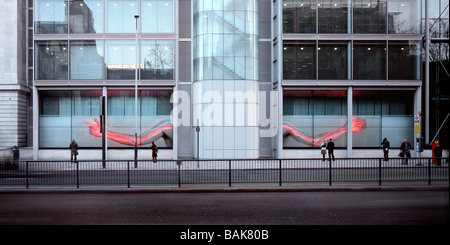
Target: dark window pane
pixel 333 60
pixel 404 61
pixel 369 60
pixel 299 60
pixel 51 60
pixel 333 16
pixel 299 16
pixel 369 16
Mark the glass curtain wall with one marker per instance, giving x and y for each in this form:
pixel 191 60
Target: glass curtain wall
pixel 404 16
pixel 154 110
pixel 404 60
pixel 367 16
pixel 386 114
pixel 50 16
pixel 86 60
pixel 86 16
pixel 310 117
pixel 334 16
pixel 299 60
pixel 158 60
pixel 67 115
pixel 157 16
pixel 64 115
pixel 333 60
pixel 120 16
pixel 51 60
pixel 299 16
pixel 369 60
pixel 225 45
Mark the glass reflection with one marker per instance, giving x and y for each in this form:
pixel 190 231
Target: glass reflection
pixel 86 16
pixel 120 16
pixel 157 16
pixel 369 16
pixel 50 16
pixel 334 16
pixel 63 116
pixel 120 59
pixel 299 16
pixel 86 60
pixel 51 60
pixel 314 114
pixel 404 16
pixel 158 60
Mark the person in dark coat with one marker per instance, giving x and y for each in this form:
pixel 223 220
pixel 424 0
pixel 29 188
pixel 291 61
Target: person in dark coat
pixel 73 150
pixel 323 149
pixel 154 151
pixel 330 148
pixel 438 154
pixel 405 148
pixel 385 145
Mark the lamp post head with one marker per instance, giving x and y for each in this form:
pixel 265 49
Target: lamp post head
pixel 136 16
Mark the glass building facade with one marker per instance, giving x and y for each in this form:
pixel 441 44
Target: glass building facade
pixel 349 63
pixel 88 50
pixel 351 70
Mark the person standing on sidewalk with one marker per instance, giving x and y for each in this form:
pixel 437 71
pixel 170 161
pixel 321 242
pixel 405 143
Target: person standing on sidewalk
pixel 323 149
pixel 438 154
pixel 385 145
pixel 405 153
pixel 330 147
pixel 154 152
pixel 73 150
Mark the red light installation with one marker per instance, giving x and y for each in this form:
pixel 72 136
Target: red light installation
pixel 301 136
pixel 163 130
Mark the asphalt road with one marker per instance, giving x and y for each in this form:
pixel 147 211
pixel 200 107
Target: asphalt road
pixel 229 208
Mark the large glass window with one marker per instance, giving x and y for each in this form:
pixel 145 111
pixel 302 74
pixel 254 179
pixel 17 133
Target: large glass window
pixel 120 59
pixel 299 60
pixel 333 60
pixel 64 116
pixel 369 60
pixel 157 16
pixel 404 60
pixel 334 16
pixel 385 114
pixel 299 16
pixel 120 16
pixel 50 16
pixel 51 60
pixel 404 16
pixel 154 109
pixel 158 60
pixel 86 60
pixel 310 117
pixel 86 16
pixel 369 16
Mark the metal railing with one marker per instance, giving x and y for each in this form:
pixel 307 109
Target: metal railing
pixel 228 172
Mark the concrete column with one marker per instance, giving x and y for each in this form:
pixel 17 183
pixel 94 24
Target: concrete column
pixel 349 121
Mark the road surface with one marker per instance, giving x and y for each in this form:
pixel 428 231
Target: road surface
pixel 229 208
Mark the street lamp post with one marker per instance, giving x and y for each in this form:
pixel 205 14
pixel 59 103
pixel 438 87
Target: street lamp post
pixel 136 16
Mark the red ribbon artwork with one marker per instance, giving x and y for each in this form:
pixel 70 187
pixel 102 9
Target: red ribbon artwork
pixel 163 130
pixel 301 136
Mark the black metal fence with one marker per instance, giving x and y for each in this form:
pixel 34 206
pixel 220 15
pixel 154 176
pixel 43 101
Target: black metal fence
pixel 228 172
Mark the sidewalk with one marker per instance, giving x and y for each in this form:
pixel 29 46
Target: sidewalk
pixel 222 188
